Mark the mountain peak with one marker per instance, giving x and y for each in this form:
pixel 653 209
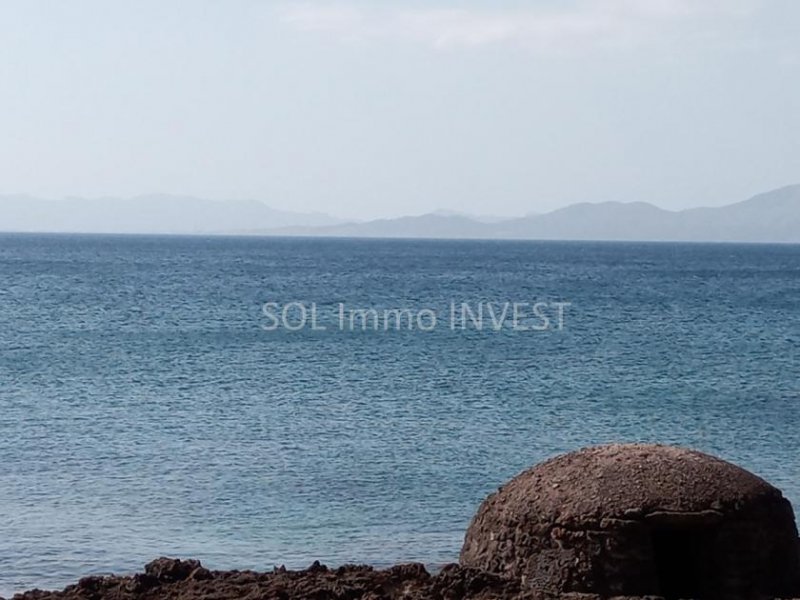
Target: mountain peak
pixel 769 217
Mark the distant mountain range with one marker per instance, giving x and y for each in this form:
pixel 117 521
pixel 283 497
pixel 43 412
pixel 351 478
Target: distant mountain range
pixel 156 213
pixel 770 217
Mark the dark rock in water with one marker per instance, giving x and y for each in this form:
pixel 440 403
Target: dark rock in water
pixel 167 579
pixel 636 520
pixel 349 582
pixel 316 567
pixel 171 569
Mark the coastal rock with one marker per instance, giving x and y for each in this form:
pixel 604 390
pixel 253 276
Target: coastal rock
pixel 349 582
pixel 166 579
pixel 171 569
pixel 639 520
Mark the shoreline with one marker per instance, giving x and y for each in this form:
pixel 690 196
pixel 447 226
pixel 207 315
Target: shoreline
pixel 172 579
pixel 168 578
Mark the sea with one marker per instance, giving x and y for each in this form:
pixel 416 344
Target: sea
pixel 254 402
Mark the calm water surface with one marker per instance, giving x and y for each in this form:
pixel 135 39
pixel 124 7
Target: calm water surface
pixel 144 410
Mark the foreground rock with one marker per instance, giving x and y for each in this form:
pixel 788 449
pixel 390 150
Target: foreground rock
pixel 173 579
pixel 639 519
pixel 166 579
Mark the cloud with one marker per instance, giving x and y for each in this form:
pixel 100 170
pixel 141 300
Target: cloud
pixel 586 24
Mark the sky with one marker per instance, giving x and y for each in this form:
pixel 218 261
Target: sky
pixel 376 109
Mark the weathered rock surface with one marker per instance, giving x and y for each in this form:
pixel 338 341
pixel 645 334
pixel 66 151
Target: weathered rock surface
pixel 639 519
pixel 173 579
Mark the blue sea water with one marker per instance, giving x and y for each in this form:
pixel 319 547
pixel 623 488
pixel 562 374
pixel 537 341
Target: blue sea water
pixel 145 410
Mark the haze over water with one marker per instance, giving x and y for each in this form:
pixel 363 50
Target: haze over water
pixel 145 411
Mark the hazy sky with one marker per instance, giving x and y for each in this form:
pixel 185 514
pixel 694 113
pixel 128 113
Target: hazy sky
pixel 376 108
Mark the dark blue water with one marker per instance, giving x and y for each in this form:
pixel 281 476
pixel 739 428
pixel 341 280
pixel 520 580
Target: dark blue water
pixel 144 410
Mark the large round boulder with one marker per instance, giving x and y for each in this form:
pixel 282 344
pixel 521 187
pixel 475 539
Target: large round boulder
pixel 639 519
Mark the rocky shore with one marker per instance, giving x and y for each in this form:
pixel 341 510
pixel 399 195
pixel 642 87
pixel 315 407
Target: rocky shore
pixel 608 521
pixel 174 579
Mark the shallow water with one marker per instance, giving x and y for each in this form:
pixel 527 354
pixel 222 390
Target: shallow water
pixel 144 410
